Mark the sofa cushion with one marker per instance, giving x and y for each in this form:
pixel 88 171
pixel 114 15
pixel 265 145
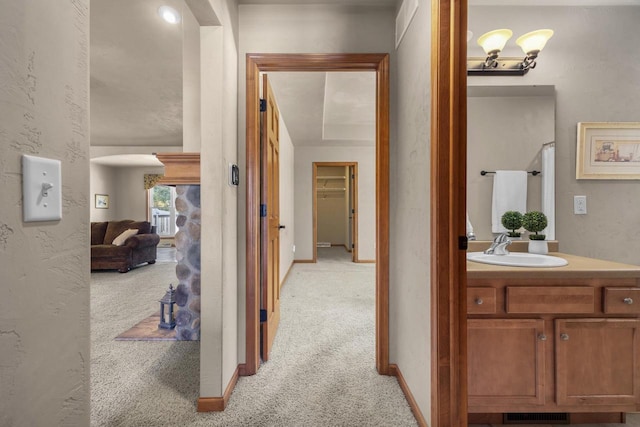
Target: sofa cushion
pixel 98 230
pixel 122 237
pixel 115 228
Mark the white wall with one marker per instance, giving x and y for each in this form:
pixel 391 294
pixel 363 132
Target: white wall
pixel 219 97
pixel 130 197
pixel 595 81
pixel 505 132
pixel 299 29
pixel 44 266
pixel 366 159
pixel 286 200
pixel 102 181
pixel 191 132
pixel 410 302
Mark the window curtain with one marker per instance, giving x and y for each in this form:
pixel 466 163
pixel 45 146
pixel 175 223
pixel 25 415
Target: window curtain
pixel 151 179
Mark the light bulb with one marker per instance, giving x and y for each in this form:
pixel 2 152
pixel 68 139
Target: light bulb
pixel 534 41
pixel 494 41
pixel 169 14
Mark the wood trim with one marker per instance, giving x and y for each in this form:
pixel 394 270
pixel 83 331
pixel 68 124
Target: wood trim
pixel 180 168
pixel 395 371
pixel 303 261
pixel 317 62
pixel 252 218
pixel 314 207
pixel 382 217
pixel 217 404
pixel 286 276
pixel 448 193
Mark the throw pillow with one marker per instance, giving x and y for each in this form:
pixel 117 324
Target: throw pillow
pixel 119 240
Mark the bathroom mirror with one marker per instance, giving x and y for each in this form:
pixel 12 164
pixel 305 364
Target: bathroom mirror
pixel 508 128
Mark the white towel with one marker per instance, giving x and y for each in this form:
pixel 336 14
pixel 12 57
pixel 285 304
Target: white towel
pixel 509 194
pixel 548 189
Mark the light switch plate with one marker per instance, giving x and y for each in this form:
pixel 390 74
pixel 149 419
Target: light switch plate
pixel 41 189
pixel 580 205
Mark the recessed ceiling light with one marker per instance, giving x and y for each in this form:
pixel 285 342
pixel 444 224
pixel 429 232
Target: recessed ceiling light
pixel 169 14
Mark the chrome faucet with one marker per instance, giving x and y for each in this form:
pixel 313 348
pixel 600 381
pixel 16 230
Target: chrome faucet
pixel 499 245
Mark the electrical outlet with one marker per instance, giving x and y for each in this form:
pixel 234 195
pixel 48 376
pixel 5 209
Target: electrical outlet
pixel 580 205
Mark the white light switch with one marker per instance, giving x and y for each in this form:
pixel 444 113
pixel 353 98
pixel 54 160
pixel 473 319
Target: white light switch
pixel 41 189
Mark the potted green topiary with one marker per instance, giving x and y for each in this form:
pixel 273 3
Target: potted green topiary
pixel 535 222
pixel 512 220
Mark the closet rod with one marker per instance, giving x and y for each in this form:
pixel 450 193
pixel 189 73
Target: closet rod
pixel 534 173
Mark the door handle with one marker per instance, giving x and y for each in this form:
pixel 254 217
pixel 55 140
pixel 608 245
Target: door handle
pixel 281 226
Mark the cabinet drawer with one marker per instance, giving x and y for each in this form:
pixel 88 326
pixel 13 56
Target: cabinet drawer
pixel 481 300
pixel 550 299
pixel 622 300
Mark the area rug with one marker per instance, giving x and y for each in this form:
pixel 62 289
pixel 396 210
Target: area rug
pixel 148 330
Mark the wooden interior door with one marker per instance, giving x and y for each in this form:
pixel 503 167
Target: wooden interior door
pixel 270 222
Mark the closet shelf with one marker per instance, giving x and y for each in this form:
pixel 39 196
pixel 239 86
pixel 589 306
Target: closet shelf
pixel 332 189
pixel 329 177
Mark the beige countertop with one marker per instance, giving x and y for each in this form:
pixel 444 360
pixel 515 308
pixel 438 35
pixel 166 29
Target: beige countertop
pixel 578 267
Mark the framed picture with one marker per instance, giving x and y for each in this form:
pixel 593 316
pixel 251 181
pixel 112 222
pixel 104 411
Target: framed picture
pixel 608 150
pixel 102 201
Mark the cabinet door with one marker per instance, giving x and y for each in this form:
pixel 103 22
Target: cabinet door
pixel 597 361
pixel 505 362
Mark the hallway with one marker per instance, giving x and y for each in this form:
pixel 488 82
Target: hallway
pixel 321 372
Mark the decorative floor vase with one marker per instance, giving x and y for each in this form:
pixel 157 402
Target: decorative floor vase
pixel 538 247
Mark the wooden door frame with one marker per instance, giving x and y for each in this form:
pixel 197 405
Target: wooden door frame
pixel 256 63
pixel 354 251
pixel 448 207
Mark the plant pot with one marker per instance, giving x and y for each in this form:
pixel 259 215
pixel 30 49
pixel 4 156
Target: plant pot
pixel 538 247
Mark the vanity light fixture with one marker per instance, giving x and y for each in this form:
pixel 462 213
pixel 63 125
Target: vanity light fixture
pixel 169 14
pixel 494 42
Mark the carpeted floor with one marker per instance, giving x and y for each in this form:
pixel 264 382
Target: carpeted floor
pixel 321 371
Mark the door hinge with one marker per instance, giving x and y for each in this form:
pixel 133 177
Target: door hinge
pixel 353 246
pixel 463 243
pixel 263 211
pixel 353 211
pixel 353 177
pixel 263 316
pixel 263 105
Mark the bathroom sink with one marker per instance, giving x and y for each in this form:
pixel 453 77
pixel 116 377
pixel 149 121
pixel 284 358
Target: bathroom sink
pixel 517 259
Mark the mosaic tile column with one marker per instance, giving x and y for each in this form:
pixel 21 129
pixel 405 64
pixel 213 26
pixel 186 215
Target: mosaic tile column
pixel 188 268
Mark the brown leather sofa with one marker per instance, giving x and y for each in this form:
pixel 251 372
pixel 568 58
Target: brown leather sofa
pixel 137 249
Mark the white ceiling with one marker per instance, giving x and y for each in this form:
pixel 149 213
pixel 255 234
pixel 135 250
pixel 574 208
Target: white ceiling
pixel 136 78
pixel 136 74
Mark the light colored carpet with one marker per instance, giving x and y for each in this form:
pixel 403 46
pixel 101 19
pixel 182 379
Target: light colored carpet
pixel 321 371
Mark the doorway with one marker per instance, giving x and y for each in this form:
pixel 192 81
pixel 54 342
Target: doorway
pixel 335 206
pixel 256 63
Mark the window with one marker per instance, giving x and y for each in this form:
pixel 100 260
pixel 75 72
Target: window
pixel 162 213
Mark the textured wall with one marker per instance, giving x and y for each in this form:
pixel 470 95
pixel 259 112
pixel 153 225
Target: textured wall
pixel 219 96
pixel 130 196
pixel 410 300
pixel 595 81
pixel 44 266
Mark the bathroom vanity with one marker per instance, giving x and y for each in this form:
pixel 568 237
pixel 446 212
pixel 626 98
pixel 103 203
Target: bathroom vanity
pixel 554 340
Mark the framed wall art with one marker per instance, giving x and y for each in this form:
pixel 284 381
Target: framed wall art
pixel 102 201
pixel 608 150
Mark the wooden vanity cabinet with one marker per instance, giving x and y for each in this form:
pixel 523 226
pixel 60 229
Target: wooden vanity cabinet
pixel 564 346
pixel 597 361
